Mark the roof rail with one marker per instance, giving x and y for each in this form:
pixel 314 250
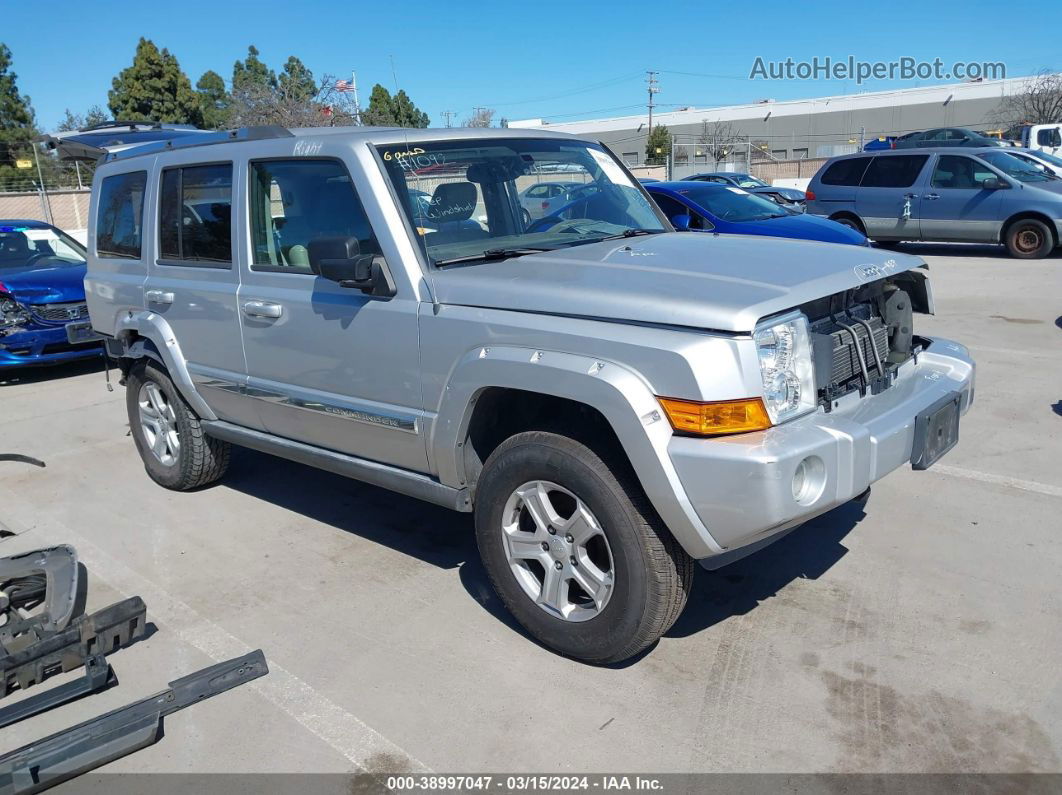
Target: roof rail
pixel 120 140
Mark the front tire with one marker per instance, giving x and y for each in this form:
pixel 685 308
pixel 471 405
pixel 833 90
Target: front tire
pixel 575 551
pixel 1029 239
pixel 167 433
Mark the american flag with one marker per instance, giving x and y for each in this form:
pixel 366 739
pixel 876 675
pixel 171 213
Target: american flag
pixel 344 85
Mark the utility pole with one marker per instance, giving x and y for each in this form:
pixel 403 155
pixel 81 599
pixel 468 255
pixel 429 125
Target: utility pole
pixel 653 88
pixel 448 115
pixel 43 193
pixel 862 135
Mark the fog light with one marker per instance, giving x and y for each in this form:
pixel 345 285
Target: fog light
pixel 809 480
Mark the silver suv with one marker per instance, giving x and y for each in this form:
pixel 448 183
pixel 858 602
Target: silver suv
pixel 613 401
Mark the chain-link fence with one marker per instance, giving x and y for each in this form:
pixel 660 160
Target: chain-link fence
pixel 63 207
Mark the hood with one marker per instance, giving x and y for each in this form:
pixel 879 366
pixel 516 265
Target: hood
pixel 719 282
pixel 786 193
pixel 803 227
pixel 45 285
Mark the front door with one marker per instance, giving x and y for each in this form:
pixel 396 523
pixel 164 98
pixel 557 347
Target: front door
pixel 955 205
pixel 327 365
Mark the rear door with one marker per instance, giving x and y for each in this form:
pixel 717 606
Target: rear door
pixel 192 282
pixel 955 206
pixel 888 200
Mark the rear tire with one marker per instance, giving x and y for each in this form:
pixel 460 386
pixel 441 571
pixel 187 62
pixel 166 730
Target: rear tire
pixel 167 433
pixel 1029 239
pixel 644 575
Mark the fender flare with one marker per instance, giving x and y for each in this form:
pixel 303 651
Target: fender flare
pixel 623 397
pixel 147 334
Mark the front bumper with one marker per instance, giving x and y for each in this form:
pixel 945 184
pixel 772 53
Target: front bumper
pixel 42 345
pixel 741 487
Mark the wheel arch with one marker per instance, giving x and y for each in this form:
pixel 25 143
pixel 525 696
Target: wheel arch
pixel 1024 215
pixel 618 403
pixel 148 335
pixel 851 216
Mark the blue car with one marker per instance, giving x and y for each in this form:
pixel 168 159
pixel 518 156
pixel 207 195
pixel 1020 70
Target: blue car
pixel 709 207
pixel 43 315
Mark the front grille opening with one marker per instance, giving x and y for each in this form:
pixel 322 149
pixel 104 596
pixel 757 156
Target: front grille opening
pixel 860 338
pixel 60 313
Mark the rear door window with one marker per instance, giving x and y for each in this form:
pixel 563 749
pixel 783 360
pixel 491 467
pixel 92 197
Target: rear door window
pixel 195 215
pixel 846 172
pixel 120 216
pixel 893 171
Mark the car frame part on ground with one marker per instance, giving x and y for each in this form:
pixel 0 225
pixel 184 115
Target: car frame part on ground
pixel 43 315
pixel 791 198
pixel 972 195
pixel 44 632
pixel 613 400
pixel 724 209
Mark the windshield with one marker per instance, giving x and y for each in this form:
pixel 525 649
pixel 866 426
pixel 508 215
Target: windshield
pixel 28 247
pixel 1047 157
pixel 468 199
pixel 750 182
pixel 733 204
pixel 1016 167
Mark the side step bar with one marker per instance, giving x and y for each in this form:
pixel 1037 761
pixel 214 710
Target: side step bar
pixel 413 484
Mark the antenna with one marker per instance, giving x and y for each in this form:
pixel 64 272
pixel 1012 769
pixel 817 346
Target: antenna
pixel 653 88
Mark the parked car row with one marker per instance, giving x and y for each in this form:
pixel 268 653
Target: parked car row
pixel 940 136
pixel 982 195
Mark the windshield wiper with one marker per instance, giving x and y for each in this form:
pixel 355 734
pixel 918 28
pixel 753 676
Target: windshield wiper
pixel 624 234
pixel 494 254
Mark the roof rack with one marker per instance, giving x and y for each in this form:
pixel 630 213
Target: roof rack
pixel 119 140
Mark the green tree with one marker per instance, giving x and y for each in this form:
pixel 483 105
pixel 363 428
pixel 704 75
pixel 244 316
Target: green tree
pixel 658 145
pixel 252 73
pixel 154 89
pixel 18 128
pixel 296 81
pixel 215 103
pixel 397 111
pixel 75 121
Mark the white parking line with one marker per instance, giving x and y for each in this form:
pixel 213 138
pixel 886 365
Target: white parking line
pixel 321 716
pixel 998 480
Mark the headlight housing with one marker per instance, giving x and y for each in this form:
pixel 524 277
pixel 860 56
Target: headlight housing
pixel 12 313
pixel 783 345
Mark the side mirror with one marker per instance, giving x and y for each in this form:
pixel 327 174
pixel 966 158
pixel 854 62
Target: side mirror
pixel 681 222
pixel 994 183
pixel 339 259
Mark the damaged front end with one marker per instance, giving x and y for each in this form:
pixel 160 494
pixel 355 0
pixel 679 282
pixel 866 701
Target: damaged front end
pixel 861 336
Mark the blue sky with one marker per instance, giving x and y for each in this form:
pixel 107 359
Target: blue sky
pixel 564 60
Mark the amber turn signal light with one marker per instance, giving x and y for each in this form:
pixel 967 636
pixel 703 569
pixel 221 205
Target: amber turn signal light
pixel 717 417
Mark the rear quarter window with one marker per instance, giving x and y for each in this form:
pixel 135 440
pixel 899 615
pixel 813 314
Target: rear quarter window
pixel 120 216
pixel 845 172
pixel 893 171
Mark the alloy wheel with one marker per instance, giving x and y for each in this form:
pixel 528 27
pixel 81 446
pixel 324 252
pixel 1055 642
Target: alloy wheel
pixel 158 423
pixel 557 551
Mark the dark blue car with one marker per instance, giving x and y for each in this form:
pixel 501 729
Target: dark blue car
pixel 43 316
pixel 708 207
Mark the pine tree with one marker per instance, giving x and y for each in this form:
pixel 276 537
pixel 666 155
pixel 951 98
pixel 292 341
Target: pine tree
pixel 296 81
pixel 215 103
pixel 252 73
pixel 18 128
pixel 658 145
pixel 397 111
pixel 154 89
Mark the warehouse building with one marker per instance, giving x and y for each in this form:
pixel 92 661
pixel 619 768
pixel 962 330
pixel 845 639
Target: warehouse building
pixel 805 129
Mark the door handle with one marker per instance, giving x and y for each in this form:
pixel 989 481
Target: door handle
pixel 158 296
pixel 911 196
pixel 931 196
pixel 262 309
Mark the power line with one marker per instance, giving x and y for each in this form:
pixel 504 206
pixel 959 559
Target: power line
pixel 592 87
